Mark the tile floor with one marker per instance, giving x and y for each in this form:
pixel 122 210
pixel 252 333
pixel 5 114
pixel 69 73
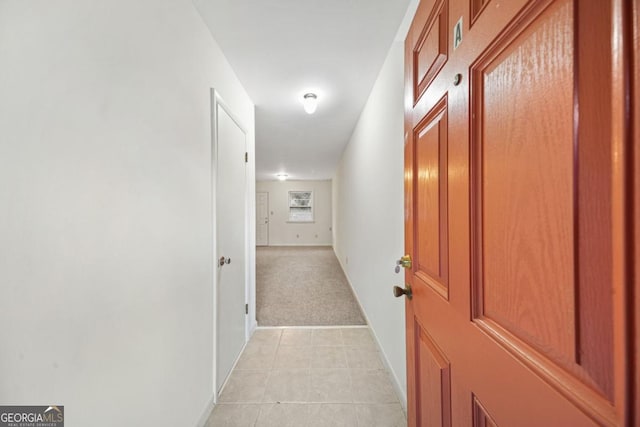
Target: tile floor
pixel 309 378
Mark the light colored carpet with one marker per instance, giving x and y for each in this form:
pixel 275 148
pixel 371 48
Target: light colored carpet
pixel 303 286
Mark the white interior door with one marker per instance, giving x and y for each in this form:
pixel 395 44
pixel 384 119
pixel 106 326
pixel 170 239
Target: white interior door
pixel 262 219
pixel 230 242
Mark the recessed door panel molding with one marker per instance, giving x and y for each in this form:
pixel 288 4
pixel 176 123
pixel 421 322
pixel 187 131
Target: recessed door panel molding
pixel 481 417
pixel 541 257
pixel 431 255
pixel 477 7
pixel 434 381
pixel 430 50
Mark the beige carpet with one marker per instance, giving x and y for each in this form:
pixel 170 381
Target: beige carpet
pixel 303 286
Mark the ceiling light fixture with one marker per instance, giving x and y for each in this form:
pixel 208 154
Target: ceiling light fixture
pixel 310 102
pixel 282 176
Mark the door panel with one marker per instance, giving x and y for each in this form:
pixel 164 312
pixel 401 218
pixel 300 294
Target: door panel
pixel 435 382
pixel 537 204
pixel 523 153
pixel 430 52
pixel 509 216
pixel 230 230
pixel 431 199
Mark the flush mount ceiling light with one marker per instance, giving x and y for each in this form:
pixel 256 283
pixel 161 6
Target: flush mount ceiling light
pixel 282 176
pixel 310 102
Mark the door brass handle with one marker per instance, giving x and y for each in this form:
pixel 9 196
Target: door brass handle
pixel 398 291
pixel 404 262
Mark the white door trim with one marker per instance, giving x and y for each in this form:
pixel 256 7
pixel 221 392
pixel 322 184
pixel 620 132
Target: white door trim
pixel 268 218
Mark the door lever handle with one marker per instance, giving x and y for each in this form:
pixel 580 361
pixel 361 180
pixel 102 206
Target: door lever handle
pixel 398 291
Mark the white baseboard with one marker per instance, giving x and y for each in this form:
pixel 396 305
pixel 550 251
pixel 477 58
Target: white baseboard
pixel 316 327
pixel 252 329
pixel 202 422
pixel 233 367
pixel 296 244
pixel 212 402
pixel 400 391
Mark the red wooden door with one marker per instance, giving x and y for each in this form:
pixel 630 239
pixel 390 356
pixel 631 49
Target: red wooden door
pixel 517 221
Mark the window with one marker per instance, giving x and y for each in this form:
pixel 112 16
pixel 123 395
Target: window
pixel 300 206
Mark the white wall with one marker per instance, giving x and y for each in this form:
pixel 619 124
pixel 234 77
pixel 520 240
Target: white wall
pixel 106 302
pixel 284 233
pixel 368 222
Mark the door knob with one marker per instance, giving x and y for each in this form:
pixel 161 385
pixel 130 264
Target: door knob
pixel 398 291
pixel 222 261
pixel 404 262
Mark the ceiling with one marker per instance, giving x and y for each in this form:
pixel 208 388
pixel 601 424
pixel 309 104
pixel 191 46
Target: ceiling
pixel 282 49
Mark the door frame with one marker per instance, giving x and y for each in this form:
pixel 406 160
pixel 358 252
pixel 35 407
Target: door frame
pixel 218 101
pixel 636 190
pixel 268 219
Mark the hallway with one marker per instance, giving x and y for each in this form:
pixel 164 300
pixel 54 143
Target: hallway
pixel 303 286
pixel 110 228
pixel 473 165
pixel 311 377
